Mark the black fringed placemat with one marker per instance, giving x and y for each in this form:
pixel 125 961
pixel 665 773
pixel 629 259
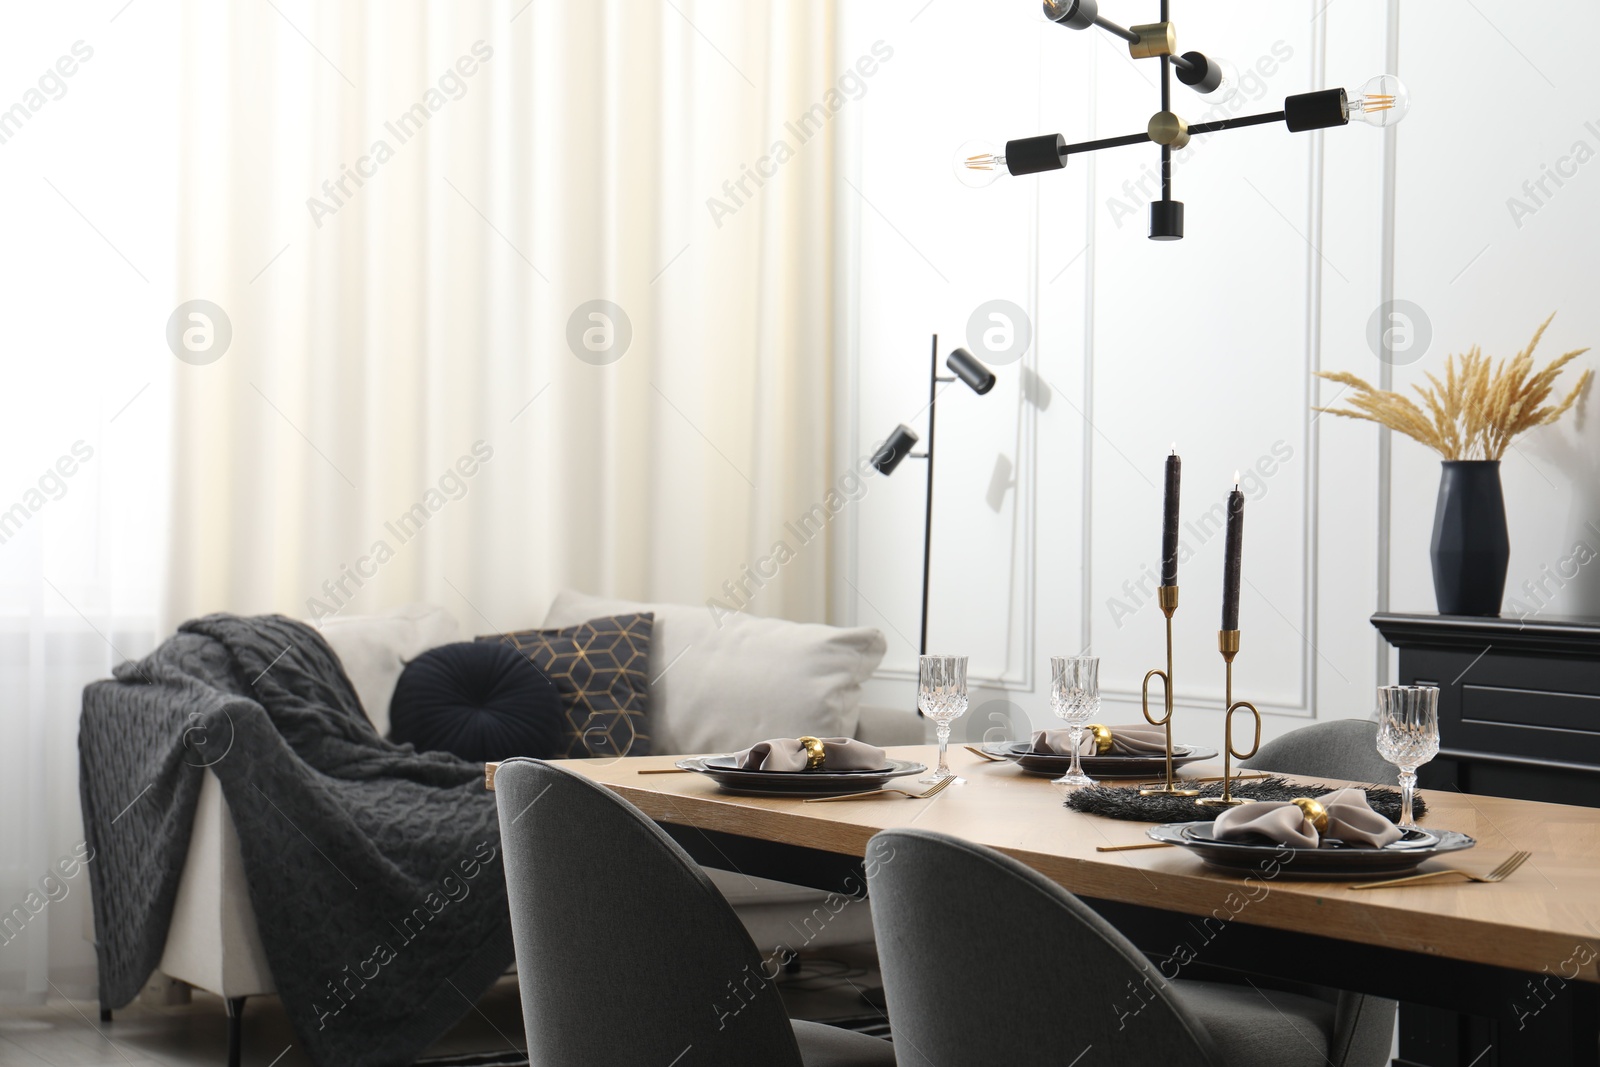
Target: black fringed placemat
pixel 1123 802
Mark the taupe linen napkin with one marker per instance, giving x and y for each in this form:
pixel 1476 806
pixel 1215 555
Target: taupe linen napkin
pixel 1350 820
pixel 1134 739
pixel 787 754
pixel 1278 821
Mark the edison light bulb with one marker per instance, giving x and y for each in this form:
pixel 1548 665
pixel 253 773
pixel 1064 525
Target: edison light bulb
pixel 978 164
pixel 1382 101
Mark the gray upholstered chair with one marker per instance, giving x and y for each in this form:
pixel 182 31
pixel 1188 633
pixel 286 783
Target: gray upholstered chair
pixel 1343 748
pixel 986 961
pixel 626 953
pixel 1346 749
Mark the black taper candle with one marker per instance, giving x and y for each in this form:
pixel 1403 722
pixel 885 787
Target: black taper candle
pixel 1169 521
pixel 1234 550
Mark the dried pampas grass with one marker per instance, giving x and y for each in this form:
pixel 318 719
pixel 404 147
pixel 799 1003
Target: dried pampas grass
pixel 1477 410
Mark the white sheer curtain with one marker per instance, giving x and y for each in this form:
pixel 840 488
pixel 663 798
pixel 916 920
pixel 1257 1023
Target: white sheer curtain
pixel 404 211
pixel 394 315
pixel 87 166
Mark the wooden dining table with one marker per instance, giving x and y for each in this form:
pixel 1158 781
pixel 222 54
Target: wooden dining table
pixel 1516 963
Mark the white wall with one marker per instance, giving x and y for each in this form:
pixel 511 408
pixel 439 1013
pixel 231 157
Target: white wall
pixel 1047 498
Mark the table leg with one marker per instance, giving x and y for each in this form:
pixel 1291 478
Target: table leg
pixel 1438 1037
pixel 1563 1027
pixel 1547 1023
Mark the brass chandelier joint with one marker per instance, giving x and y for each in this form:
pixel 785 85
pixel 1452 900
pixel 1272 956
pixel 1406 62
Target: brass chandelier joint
pixel 1153 40
pixel 1168 129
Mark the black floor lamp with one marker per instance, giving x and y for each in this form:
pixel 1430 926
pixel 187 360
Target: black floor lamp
pixel 898 447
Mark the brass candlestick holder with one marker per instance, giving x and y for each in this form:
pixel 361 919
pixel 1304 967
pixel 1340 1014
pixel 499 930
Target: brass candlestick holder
pixel 1169 603
pixel 1228 645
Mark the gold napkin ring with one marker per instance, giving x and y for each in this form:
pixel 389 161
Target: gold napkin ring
pixel 1315 813
pixel 1102 738
pixel 816 752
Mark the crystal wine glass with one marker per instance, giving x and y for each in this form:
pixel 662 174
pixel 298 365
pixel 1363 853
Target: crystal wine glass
pixel 1075 697
pixel 942 696
pixel 1408 736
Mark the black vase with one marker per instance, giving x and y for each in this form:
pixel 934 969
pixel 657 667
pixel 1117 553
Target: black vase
pixel 1470 547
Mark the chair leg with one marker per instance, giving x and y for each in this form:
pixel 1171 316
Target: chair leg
pixel 235 1029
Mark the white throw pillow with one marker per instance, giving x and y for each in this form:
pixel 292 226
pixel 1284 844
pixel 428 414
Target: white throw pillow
pixel 374 649
pixel 717 688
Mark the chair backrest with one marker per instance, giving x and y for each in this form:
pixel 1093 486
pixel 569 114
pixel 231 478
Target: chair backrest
pixel 626 953
pixel 1343 748
pixel 987 961
pixel 1348 749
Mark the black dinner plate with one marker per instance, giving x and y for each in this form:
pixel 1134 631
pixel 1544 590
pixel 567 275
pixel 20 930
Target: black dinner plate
pixel 1332 862
pixel 1112 767
pixel 734 779
pixel 731 763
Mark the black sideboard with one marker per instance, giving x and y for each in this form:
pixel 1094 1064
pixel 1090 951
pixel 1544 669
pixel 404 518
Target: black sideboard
pixel 1519 702
pixel 1519 716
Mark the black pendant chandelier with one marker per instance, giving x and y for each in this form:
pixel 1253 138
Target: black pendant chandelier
pixel 1382 101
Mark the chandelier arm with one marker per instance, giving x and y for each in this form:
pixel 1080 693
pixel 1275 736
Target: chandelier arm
pixel 1104 142
pixel 1115 30
pixel 1238 123
pixel 1166 106
pixel 1141 138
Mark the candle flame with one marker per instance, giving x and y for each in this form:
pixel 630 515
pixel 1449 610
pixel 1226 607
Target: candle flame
pixel 1174 448
pixel 1236 479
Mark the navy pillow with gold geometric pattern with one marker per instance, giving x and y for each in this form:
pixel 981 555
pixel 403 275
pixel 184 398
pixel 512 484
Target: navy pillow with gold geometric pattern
pixel 602 670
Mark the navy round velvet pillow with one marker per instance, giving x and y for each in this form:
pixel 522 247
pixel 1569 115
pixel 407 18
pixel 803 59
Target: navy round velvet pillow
pixel 480 700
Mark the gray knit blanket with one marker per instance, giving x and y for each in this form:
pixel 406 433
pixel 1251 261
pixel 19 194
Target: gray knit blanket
pixel 374 871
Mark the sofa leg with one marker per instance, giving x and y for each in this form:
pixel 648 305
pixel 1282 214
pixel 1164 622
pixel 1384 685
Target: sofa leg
pixel 105 1015
pixel 235 1029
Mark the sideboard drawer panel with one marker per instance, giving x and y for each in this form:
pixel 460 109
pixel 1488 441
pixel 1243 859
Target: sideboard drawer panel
pixel 1538 709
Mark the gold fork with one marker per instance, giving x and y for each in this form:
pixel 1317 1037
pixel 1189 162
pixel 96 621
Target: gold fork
pixel 1499 874
pixel 932 790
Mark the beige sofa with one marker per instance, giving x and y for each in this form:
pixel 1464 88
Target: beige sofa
pixel 213 943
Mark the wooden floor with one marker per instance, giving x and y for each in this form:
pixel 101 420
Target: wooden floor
pixel 63 1033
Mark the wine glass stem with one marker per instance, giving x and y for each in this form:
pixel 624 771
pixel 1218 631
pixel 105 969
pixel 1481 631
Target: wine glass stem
pixel 1408 791
pixel 1076 769
pixel 944 742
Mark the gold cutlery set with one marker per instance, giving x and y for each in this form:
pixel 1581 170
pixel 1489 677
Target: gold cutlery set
pixel 1499 874
pixel 927 794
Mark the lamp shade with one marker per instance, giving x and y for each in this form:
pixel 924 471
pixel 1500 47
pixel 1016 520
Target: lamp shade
pixel 1166 220
pixel 968 369
pixel 895 449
